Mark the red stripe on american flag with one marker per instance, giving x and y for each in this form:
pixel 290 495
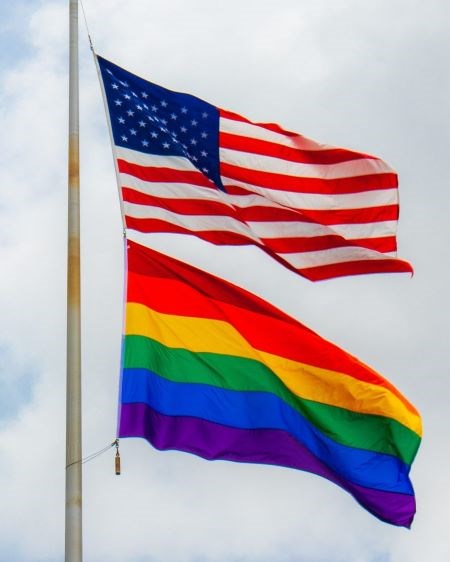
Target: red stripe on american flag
pixel 218 237
pixel 164 175
pixel 327 218
pixel 320 273
pixel 181 206
pixel 288 153
pixel 311 244
pixel 269 126
pixel 298 184
pixel 354 216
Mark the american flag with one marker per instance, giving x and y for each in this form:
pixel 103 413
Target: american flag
pixel 186 166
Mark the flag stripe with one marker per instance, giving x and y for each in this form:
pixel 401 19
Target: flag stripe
pixel 203 222
pixel 315 202
pixel 275 161
pixel 215 237
pixel 258 410
pixel 298 184
pixel 354 216
pixel 317 152
pixel 346 427
pixel 326 157
pixel 323 272
pixel 303 379
pixel 155 174
pixel 329 256
pixel 383 244
pixel 213 441
pixel 306 230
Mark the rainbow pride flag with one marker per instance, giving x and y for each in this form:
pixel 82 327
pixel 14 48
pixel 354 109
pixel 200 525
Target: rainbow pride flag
pixel 213 370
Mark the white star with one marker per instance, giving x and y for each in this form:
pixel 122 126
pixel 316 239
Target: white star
pixel 183 129
pixel 193 141
pixel 130 113
pixel 124 138
pixel 166 145
pixel 164 121
pixel 154 135
pixel 204 115
pixel 204 135
pixel 145 105
pixel 194 123
pixel 183 110
pixel 121 120
pixel 204 153
pixel 115 86
pixel 142 123
pixel 139 107
pixel 173 116
pixel 194 158
pixel 145 143
pixel 108 71
pixel 124 84
pixel 144 95
pixel 133 132
pixel 133 93
pixel 127 97
pixel 164 103
pixel 205 170
pixel 154 108
pixel 117 102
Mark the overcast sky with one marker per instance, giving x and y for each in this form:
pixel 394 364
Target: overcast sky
pixel 372 76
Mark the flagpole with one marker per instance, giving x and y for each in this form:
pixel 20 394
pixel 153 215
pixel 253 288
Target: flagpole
pixel 73 512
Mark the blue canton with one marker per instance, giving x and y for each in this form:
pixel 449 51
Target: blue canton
pixel 153 120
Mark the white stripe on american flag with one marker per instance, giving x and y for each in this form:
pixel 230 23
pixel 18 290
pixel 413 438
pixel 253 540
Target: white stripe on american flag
pixel 319 258
pixel 309 201
pixel 348 169
pixel 254 131
pixel 348 231
pixel 184 191
pixel 155 161
pixel 191 222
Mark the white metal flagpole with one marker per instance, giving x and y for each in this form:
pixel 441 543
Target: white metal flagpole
pixel 73 513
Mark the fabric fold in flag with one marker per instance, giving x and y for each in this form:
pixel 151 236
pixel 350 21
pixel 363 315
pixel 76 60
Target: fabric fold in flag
pixel 186 166
pixel 213 370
